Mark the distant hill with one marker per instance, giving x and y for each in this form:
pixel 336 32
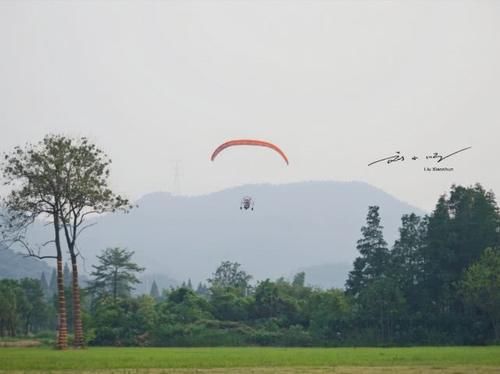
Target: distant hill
pixel 16 266
pixel 162 281
pixel 293 226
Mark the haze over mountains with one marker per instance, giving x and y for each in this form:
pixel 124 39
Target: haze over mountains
pixel 293 226
pixel 309 226
pixel 16 265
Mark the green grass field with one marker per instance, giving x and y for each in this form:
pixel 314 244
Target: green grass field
pixel 253 360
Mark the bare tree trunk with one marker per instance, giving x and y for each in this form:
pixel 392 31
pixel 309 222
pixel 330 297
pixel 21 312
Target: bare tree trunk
pixel 77 315
pixel 62 336
pixel 115 286
pixel 496 328
pixel 62 333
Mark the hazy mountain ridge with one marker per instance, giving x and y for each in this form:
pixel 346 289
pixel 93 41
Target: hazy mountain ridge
pixel 311 226
pixel 293 226
pixel 16 266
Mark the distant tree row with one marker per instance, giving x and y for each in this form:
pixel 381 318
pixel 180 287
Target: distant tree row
pixel 439 283
pixel 24 309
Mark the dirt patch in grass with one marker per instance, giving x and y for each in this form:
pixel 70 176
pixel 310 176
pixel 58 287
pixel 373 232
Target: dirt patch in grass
pixel 25 343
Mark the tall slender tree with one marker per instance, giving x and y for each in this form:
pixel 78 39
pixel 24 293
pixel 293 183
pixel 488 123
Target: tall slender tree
pixel 299 279
pixel 67 275
pixel 155 292
pixel 35 193
pixel 374 254
pixel 115 274
pixel 64 180
pixel 44 285
pixel 406 261
pixel 53 284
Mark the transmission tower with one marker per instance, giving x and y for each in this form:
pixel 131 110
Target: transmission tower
pixel 177 173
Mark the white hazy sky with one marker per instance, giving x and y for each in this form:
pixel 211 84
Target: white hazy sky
pixel 336 84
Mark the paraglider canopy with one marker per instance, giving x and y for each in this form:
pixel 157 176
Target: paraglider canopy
pixel 251 142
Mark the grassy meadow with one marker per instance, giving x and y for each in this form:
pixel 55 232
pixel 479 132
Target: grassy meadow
pixel 253 360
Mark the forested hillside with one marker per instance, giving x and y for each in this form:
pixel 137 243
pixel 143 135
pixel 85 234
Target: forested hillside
pixel 293 226
pixel 15 265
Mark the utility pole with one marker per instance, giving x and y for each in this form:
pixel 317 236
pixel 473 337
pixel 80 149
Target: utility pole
pixel 177 173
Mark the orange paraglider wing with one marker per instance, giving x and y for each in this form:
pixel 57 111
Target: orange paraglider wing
pixel 252 142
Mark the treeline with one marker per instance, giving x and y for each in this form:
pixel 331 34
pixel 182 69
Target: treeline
pixel 28 307
pixel 439 283
pixel 24 309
